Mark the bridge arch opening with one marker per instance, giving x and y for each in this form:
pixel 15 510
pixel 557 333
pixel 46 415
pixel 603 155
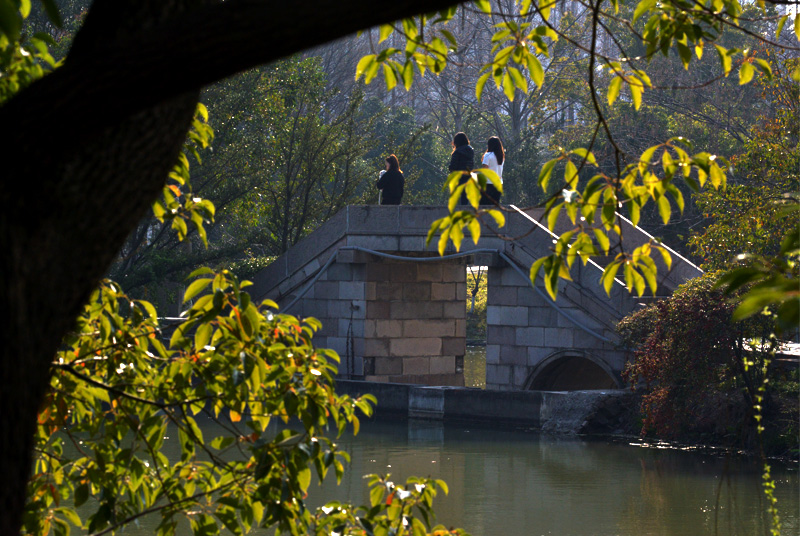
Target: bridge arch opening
pixel 571 371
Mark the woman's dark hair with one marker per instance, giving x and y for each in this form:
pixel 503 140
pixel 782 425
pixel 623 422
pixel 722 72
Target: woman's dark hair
pixel 460 140
pixel 393 162
pixel 496 146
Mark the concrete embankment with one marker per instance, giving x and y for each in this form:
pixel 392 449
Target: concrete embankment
pixel 561 412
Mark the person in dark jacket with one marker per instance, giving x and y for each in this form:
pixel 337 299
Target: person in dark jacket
pixel 462 159
pixel 391 182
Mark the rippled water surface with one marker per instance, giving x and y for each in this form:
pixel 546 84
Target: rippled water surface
pixel 520 483
pixel 513 482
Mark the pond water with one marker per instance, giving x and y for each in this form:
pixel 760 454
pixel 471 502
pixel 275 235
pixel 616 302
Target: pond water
pixel 512 482
pixel 516 482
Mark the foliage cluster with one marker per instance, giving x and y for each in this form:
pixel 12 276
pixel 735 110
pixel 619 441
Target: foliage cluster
pixel 119 391
pixel 695 363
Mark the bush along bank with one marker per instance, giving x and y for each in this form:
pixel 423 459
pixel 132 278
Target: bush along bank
pixel 700 376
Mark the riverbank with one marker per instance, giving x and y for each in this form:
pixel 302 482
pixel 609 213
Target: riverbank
pixel 611 413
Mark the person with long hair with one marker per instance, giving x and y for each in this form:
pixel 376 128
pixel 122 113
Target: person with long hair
pixel 391 182
pixel 462 159
pixel 493 158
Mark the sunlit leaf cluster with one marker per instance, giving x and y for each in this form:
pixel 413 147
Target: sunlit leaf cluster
pixel 178 205
pixel 239 390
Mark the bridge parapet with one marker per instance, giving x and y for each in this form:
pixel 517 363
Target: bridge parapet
pixel 395 311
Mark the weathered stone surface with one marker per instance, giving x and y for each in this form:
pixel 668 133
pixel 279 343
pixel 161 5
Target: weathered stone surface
pixel 537 354
pixel 543 316
pixel 443 291
pixel 519 375
pixel 378 310
pixel 375 243
pixel 500 334
pixel 428 271
pixel 443 365
pixel 339 272
pixel 454 273
pixel 416 347
pixel 429 328
pixel 506 316
pixel 498 295
pixel 417 292
pixel 461 291
pixel 498 374
pixel 461 327
pixel 355 325
pixel 513 355
pixel 389 365
pixel 351 290
pixel 376 348
pixel 388 291
pixel 454 309
pixel 492 354
pixel 454 346
pixel 385 328
pixel 416 365
pixel 403 310
pixel 558 337
pixel 412 243
pixel 529 336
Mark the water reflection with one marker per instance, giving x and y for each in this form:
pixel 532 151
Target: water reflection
pixel 504 482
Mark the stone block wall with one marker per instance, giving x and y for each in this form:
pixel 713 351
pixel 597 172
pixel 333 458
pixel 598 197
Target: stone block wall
pixel 524 331
pixel 337 300
pixel 415 322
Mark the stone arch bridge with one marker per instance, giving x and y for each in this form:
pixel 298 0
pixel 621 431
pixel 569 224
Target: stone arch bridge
pixel 395 311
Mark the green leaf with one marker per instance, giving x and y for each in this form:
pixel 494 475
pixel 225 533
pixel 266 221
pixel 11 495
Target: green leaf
pixel 643 7
pixel 535 69
pixel 585 154
pixel 363 64
pixel 508 87
pixel 499 217
pixel 602 240
pixel 724 59
pixel 480 83
pixel 636 94
pixel 755 301
pixel 304 478
pixel 484 5
pixel 571 174
pixel 475 230
pixel 764 67
pixel 546 172
pixel 797 25
pixel 613 89
pixel 519 80
pixel 746 72
pixel 10 19
pixel 195 288
pixel 51 8
pixel 781 23
pixel 385 31
pixel 390 76
pixel 664 209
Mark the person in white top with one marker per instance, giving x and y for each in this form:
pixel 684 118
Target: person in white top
pixel 493 158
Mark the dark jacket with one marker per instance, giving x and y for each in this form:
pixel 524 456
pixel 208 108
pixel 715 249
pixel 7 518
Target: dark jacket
pixel 463 159
pixel 392 183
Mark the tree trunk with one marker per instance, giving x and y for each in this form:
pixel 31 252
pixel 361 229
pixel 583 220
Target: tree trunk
pixel 87 149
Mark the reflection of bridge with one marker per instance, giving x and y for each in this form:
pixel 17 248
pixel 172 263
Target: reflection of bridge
pixel 395 311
